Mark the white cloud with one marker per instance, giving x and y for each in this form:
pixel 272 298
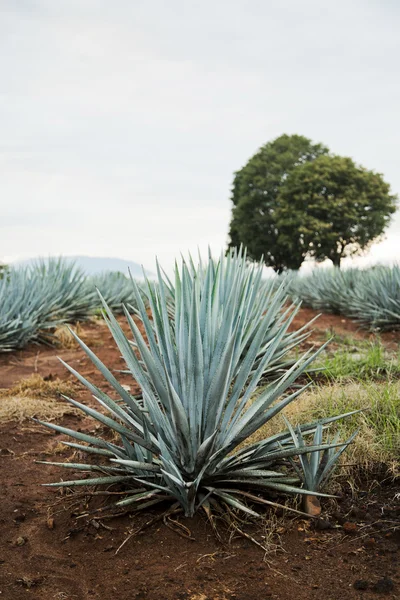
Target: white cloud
pixel 122 123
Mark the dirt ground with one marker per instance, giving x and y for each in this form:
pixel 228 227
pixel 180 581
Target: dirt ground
pixel 46 552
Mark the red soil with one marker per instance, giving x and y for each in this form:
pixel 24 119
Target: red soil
pixel 70 558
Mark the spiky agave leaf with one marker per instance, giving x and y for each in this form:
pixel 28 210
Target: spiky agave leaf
pixel 198 375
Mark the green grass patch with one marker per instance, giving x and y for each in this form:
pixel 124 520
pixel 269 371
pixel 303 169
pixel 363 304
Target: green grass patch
pixel 376 449
pixel 361 362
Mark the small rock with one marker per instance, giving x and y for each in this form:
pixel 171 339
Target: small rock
pixel 21 541
pixel 358 513
pixel 311 506
pixel 368 516
pixel 20 518
pixel 349 528
pixel 360 584
pixel 323 524
pixel 339 518
pixel 6 452
pixel 391 547
pixel 383 586
pixel 29 582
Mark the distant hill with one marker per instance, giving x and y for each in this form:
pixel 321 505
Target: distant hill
pixel 95 264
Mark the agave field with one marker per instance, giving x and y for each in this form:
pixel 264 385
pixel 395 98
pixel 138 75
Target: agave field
pixel 37 299
pixel 370 296
pixel 194 438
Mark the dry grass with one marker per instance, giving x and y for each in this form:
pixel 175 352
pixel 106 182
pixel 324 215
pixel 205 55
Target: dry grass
pixel 377 446
pixel 35 397
pixel 35 386
pixel 64 337
pixel 89 332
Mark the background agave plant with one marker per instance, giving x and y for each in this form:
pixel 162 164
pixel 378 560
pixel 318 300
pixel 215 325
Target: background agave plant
pixel 370 296
pixel 35 300
pixel 198 367
pixel 116 289
pixel 21 310
pixel 328 290
pixel 376 302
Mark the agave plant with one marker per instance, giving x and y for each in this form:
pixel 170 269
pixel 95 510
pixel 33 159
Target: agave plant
pixel 35 299
pixel 116 289
pixel 64 285
pixel 328 290
pixel 315 468
pixel 370 296
pixel 185 440
pixel 376 302
pixel 21 310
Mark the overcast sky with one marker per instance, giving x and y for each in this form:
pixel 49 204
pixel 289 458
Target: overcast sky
pixel 122 122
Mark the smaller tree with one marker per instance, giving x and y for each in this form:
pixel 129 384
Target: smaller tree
pixel 333 208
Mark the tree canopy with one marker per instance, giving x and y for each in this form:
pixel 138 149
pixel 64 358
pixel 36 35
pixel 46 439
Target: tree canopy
pixel 334 208
pixel 255 199
pixel 293 199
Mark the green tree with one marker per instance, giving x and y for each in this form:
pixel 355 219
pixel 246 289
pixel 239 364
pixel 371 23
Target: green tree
pixel 293 199
pixel 332 208
pixel 255 193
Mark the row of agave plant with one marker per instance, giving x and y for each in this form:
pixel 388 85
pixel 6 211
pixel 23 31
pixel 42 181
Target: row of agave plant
pixel 207 341
pixel 36 299
pixel 370 296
